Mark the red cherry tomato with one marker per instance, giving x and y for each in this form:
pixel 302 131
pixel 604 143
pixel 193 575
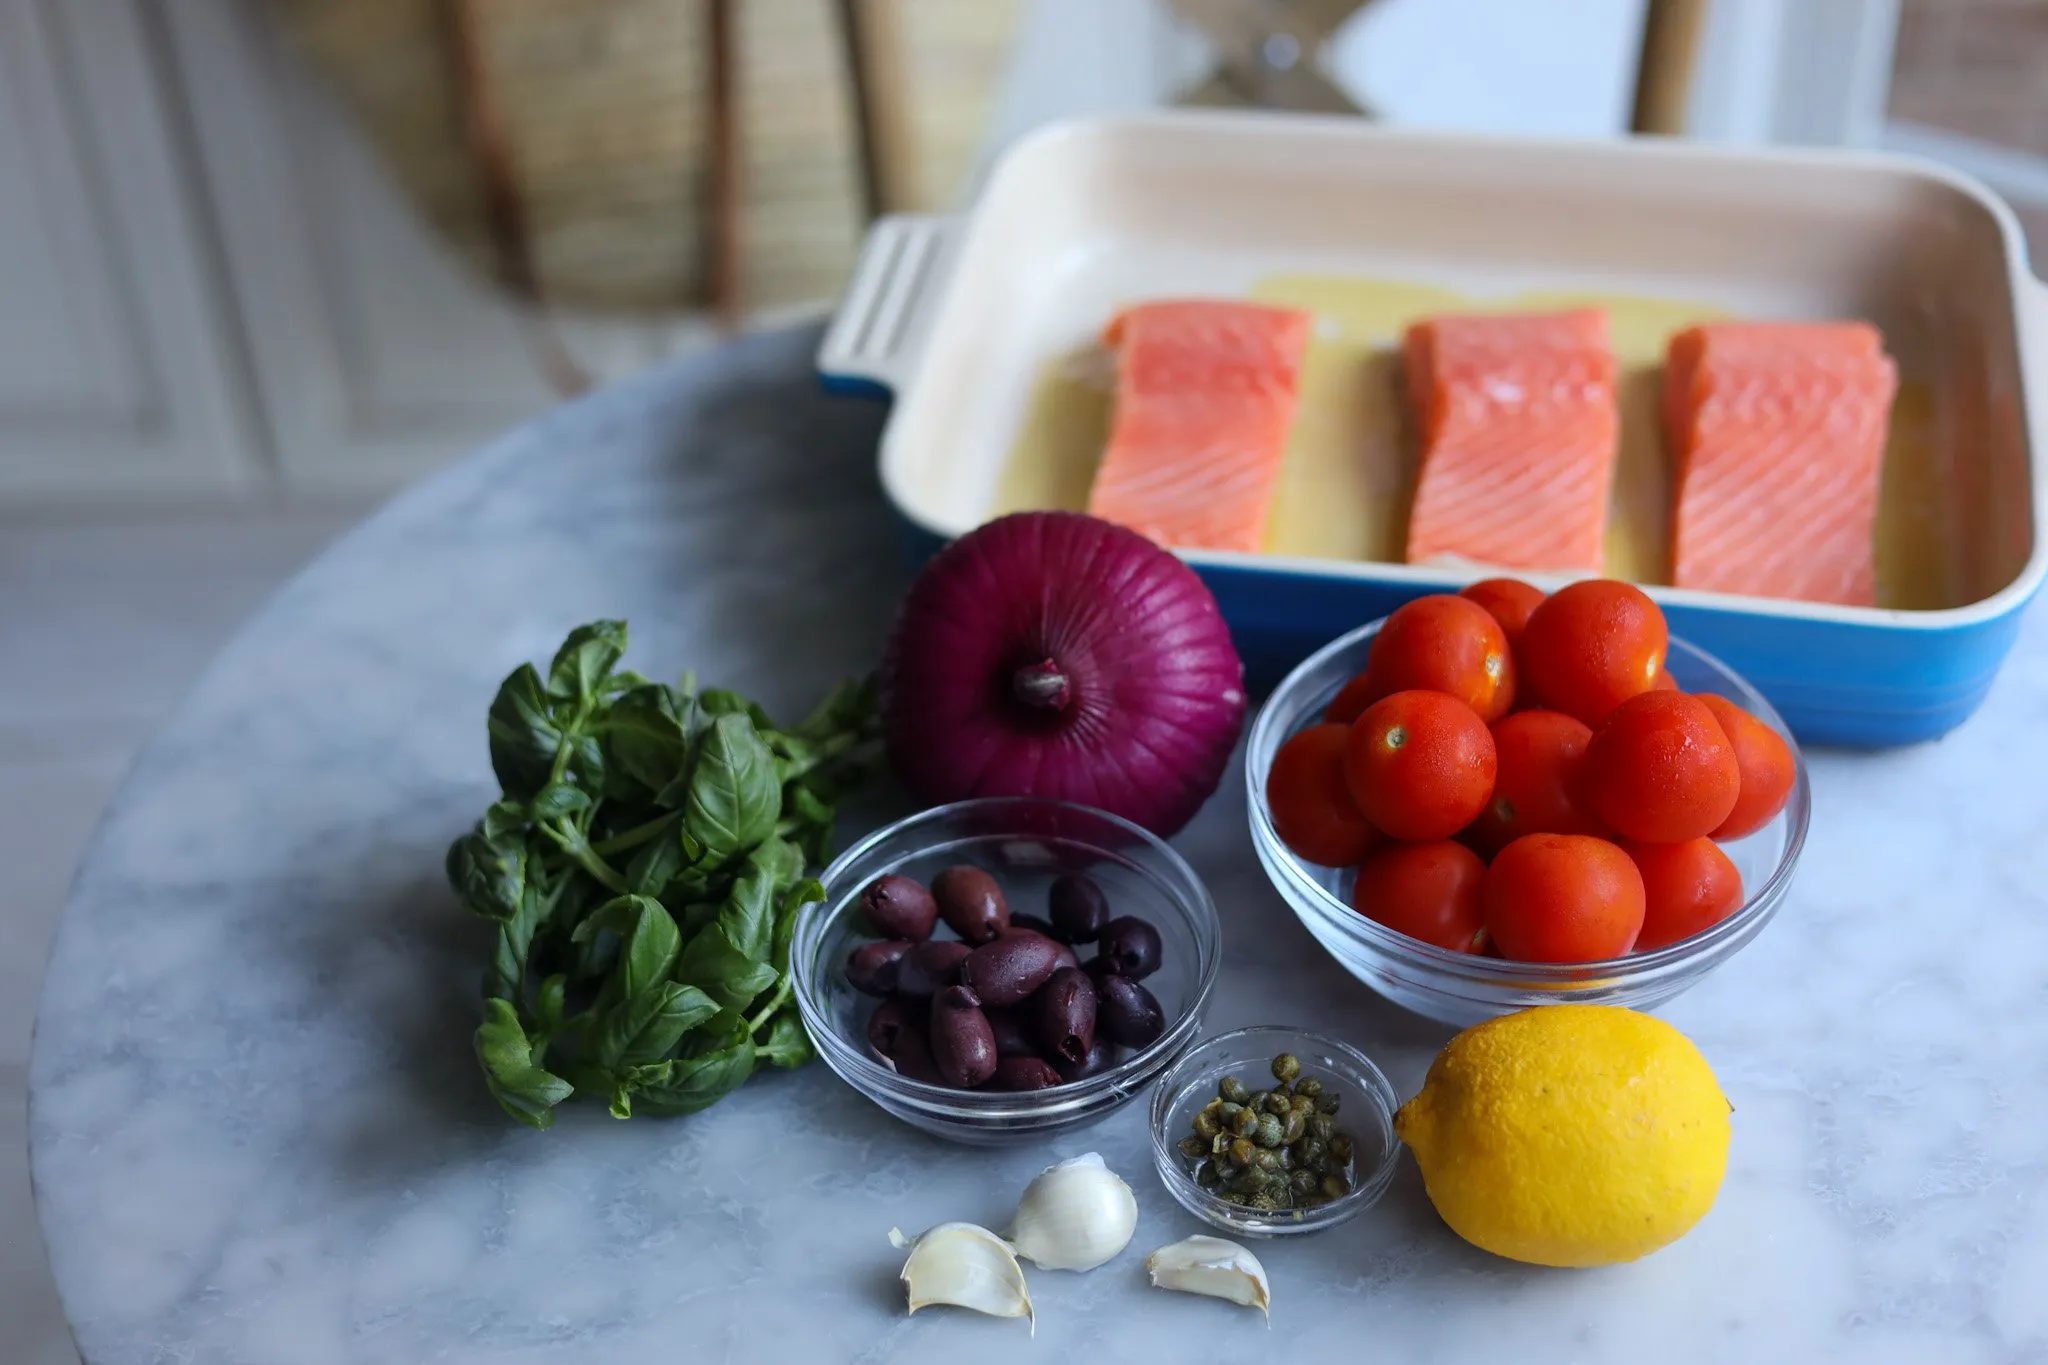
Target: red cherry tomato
pixel 1426 891
pixel 1509 601
pixel 1660 770
pixel 1591 646
pixel 1420 765
pixel 1436 644
pixel 1535 782
pixel 1665 682
pixel 1562 898
pixel 1686 888
pixel 1311 806
pixel 1768 767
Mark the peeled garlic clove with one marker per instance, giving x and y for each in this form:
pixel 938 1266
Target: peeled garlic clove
pixel 967 1266
pixel 1212 1266
pixel 1074 1216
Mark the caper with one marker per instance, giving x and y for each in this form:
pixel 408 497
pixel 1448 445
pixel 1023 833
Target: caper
pixel 1268 1132
pixel 1207 1177
pixel 1219 1144
pixel 1227 1171
pixel 1309 1086
pixel 1304 1183
pixel 1312 1201
pixel 1328 1102
pixel 1258 1100
pixel 1302 1105
pixel 1193 1148
pixel 1310 1153
pixel 1232 1089
pixel 1241 1150
pixel 1230 1196
pixel 1245 1122
pixel 1206 1125
pixel 1280 1106
pixel 1226 1111
pixel 1335 1187
pixel 1285 1156
pixel 1265 1160
pixel 1332 1166
pixel 1297 1123
pixel 1264 1202
pixel 1340 1148
pixel 1322 1127
pixel 1286 1067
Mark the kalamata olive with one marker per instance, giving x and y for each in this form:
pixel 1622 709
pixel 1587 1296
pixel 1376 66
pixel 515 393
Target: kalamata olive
pixel 897 1033
pixel 871 968
pixel 1008 969
pixel 1101 1057
pixel 963 1044
pixel 1037 924
pixel 1129 947
pixel 929 967
pixel 1079 909
pixel 971 902
pixel 1127 1013
pixel 898 907
pixel 1023 1073
pixel 1064 1011
pixel 1013 1038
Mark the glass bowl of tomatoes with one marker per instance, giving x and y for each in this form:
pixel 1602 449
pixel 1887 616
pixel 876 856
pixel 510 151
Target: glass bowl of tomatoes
pixel 1522 889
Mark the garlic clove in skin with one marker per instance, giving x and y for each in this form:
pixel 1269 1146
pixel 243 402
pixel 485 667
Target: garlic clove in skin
pixel 1212 1266
pixel 967 1266
pixel 1074 1216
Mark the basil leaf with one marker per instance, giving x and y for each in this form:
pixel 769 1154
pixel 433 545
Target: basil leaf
pixel 558 799
pixel 657 863
pixel 684 1087
pixel 848 707
pixel 523 1087
pixel 711 963
pixel 489 874
pixel 648 940
pixel 621 681
pixel 645 736
pixel 793 901
pixel 549 1002
pixel 580 665
pixel 505 817
pixel 717 701
pixel 505 979
pixel 788 1046
pixel 748 914
pixel 734 799
pixel 524 736
pixel 643 1028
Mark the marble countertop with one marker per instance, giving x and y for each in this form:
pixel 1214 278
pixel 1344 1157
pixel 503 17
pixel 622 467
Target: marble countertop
pixel 259 1137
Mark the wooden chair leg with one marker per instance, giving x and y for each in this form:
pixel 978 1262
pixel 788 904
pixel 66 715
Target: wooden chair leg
pixel 871 34
pixel 1671 42
pixel 725 265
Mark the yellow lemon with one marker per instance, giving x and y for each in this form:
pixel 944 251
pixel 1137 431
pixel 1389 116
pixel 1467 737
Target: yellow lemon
pixel 1569 1135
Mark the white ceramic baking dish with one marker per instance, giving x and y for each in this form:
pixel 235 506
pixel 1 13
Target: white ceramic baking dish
pixel 955 317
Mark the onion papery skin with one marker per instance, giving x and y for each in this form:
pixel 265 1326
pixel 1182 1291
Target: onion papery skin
pixel 1053 654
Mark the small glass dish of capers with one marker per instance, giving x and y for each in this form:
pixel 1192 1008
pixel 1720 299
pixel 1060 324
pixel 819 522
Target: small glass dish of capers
pixel 1243 1094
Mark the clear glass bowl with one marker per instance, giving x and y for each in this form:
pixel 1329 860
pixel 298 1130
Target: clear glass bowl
pixel 1025 843
pixel 1366 1114
pixel 1460 988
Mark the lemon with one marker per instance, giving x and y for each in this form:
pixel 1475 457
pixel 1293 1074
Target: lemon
pixel 1569 1135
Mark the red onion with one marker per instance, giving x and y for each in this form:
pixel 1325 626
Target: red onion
pixel 1052 654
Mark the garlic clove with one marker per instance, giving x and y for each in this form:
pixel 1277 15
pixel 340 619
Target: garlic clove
pixel 1212 1266
pixel 966 1266
pixel 1074 1216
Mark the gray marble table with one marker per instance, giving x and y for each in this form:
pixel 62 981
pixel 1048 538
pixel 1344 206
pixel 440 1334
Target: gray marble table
pixel 259 1136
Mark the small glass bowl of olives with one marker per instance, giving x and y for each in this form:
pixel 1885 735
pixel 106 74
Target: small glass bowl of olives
pixel 1310 1116
pixel 940 922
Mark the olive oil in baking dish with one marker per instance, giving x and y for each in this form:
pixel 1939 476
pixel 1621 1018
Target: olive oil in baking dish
pixel 1348 477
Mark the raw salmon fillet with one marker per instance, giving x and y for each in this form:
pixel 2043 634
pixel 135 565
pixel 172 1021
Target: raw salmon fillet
pixel 1777 432
pixel 1206 393
pixel 1518 426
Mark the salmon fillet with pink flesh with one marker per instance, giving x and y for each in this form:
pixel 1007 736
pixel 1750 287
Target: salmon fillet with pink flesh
pixel 1778 434
pixel 1206 394
pixel 1518 427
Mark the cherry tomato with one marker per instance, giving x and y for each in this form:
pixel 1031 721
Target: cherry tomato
pixel 1562 898
pixel 1420 765
pixel 1686 888
pixel 1665 682
pixel 1591 646
pixel 1426 891
pixel 1436 644
pixel 1768 767
pixel 1535 782
pixel 1311 807
pixel 1660 770
pixel 1509 601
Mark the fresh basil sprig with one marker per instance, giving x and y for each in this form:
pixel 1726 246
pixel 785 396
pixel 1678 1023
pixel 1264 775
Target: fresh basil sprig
pixel 644 868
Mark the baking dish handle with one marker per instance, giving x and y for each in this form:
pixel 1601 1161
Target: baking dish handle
pixel 874 338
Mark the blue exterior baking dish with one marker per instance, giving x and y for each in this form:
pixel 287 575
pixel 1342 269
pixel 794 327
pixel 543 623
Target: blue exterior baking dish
pixel 970 323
